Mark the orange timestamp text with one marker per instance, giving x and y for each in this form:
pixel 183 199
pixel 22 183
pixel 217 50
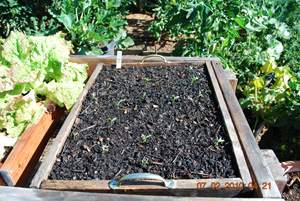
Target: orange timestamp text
pixel 233 185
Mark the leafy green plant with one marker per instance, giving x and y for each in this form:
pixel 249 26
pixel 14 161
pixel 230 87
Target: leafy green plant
pixel 144 138
pixel 35 76
pixel 90 22
pixel 112 120
pixel 263 96
pixel 31 18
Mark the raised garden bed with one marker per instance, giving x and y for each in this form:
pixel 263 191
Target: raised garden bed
pixel 22 159
pixel 163 120
pixel 182 135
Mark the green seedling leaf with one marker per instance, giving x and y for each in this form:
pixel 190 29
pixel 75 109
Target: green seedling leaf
pixel 219 140
pixel 119 102
pixel 194 79
pixel 104 148
pixel 144 138
pixel 112 120
pixel 175 98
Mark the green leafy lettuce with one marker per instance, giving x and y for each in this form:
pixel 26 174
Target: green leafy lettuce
pixel 35 76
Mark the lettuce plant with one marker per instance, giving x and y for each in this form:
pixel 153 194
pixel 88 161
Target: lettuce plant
pixel 35 76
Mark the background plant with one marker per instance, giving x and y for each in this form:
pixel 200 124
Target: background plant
pixel 90 22
pixel 31 17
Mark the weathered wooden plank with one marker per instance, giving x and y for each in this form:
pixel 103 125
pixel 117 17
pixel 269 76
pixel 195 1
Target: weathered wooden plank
pixel 22 160
pixel 212 187
pixel 21 194
pixel 58 144
pixel 237 149
pixel 93 61
pixel 232 79
pixel 275 167
pixel 260 172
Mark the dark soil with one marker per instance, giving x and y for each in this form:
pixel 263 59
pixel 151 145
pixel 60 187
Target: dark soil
pixel 292 190
pixel 181 134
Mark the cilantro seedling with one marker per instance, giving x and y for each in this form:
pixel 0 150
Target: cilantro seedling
pixel 112 120
pixel 147 80
pixel 219 140
pixel 175 98
pixel 144 95
pixel 194 79
pixel 145 161
pixel 199 95
pixel 120 101
pixel 93 95
pixel 75 134
pixel 144 138
pixel 104 84
pixel 104 149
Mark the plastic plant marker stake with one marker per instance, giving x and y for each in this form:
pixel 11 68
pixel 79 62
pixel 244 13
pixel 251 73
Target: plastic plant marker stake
pixel 119 59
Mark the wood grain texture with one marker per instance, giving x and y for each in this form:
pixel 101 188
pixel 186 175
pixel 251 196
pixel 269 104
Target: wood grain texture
pixel 275 168
pixel 23 158
pixel 258 166
pixel 237 149
pixel 59 141
pixel 232 79
pixel 93 61
pixel 144 187
pixel 21 194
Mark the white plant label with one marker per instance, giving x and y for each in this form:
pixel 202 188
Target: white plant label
pixel 119 59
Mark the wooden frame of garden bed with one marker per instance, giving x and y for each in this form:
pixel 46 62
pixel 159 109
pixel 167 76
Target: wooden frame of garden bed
pixel 182 187
pixel 21 161
pixel 259 170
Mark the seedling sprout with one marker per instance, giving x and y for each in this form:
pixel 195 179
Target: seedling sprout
pixel 145 161
pixel 220 140
pixel 194 79
pixel 75 134
pixel 104 149
pixel 199 95
pixel 144 95
pixel 175 98
pixel 147 80
pixel 120 101
pixel 144 138
pixel 112 120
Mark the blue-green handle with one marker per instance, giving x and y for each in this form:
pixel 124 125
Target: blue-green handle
pixel 141 176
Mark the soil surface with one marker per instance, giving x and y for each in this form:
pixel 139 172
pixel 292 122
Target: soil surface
pixel 156 120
